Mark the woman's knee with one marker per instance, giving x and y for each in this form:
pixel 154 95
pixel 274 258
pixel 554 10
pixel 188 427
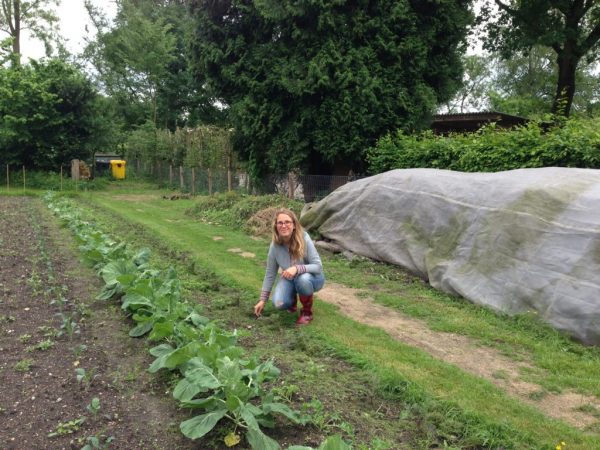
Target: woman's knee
pixel 279 303
pixel 304 284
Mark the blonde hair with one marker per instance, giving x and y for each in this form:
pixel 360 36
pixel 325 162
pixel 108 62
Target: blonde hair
pixel 296 244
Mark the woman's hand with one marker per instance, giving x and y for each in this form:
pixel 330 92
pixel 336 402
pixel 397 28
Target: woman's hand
pixel 258 308
pixel 290 272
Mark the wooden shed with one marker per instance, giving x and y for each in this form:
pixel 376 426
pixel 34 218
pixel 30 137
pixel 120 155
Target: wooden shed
pixel 471 122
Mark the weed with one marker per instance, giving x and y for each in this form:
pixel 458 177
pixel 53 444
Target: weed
pixel 537 395
pixel 589 409
pixel 24 365
pixel 376 444
pixel 49 332
pixel 70 427
pixel 77 351
pixel 286 391
pixel 35 283
pixel 25 338
pixel 44 345
pixel 501 374
pixel 7 319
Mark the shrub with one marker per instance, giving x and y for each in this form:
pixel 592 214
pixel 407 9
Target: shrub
pixel 574 143
pixel 235 209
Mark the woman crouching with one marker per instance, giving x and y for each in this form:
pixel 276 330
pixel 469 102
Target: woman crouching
pixel 294 252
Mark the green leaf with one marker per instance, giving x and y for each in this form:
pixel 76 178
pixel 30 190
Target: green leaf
pixel 203 403
pixel 142 257
pixel 198 426
pixel 299 447
pixel 185 391
pixel 203 377
pixel 175 358
pixel 198 320
pixel 334 443
pixel 248 417
pixel 283 410
pixel 133 301
pixel 141 329
pixel 260 441
pixel 162 349
pixel 161 330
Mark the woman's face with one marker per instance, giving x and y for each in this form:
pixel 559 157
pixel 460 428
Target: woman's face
pixel 285 226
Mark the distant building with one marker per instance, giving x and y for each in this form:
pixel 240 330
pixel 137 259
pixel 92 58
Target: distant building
pixel 471 122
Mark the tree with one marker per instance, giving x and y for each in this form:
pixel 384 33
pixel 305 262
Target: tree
pixel 473 94
pixel 141 62
pixel 311 85
pixel 571 28
pixel 47 115
pixel 35 16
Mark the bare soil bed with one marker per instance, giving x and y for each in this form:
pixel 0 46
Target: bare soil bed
pixel 50 325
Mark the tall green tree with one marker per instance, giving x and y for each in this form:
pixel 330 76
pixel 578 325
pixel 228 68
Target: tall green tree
pixel 571 28
pixel 36 16
pixel 141 62
pixel 311 85
pixel 473 94
pixel 47 115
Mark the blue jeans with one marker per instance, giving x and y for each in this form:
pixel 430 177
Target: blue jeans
pixel 284 295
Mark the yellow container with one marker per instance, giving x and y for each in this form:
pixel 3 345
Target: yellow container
pixel 117 168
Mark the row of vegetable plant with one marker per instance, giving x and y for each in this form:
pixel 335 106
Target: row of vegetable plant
pixel 215 376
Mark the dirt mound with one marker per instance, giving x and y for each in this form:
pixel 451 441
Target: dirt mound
pixel 260 223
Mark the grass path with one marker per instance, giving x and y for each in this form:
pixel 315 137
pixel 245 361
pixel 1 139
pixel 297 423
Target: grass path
pixel 363 344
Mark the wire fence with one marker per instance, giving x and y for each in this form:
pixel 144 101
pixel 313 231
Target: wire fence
pixel 194 181
pixel 198 181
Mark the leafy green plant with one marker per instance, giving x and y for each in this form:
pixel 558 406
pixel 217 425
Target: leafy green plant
pixel 68 326
pixel 94 406
pixel 98 442
pixel 215 378
pixel 24 365
pixel 85 377
pixel 25 338
pixel 78 350
pixel 69 427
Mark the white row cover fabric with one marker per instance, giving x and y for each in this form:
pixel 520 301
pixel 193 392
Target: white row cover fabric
pixel 515 241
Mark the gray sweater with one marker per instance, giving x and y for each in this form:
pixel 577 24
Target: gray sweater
pixel 279 257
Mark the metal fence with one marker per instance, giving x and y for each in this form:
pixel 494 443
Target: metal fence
pixel 197 181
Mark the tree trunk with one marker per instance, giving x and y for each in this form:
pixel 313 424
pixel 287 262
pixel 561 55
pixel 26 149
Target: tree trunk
pixel 565 89
pixel 17 28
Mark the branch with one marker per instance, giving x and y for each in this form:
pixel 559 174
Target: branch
pixel 505 7
pixel 7 10
pixel 591 40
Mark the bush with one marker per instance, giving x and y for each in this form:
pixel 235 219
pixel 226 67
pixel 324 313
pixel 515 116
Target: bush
pixel 234 209
pixel 575 143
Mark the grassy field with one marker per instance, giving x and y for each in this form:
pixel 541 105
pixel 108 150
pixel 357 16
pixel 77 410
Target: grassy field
pixel 426 402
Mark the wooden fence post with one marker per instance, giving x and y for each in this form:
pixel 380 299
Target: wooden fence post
pixel 61 178
pixel 193 181
pixel 23 177
pixel 7 178
pixel 209 181
pixel 181 185
pixel 290 185
pixel 229 183
pixel 170 175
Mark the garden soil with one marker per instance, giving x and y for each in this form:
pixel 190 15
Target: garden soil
pixel 459 350
pixel 44 287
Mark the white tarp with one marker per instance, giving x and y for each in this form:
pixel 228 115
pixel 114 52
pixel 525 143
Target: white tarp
pixel 516 241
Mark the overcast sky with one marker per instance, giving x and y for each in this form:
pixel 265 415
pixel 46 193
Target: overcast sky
pixel 73 19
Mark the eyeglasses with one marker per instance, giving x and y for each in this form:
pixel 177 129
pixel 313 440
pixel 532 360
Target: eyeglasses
pixel 287 223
